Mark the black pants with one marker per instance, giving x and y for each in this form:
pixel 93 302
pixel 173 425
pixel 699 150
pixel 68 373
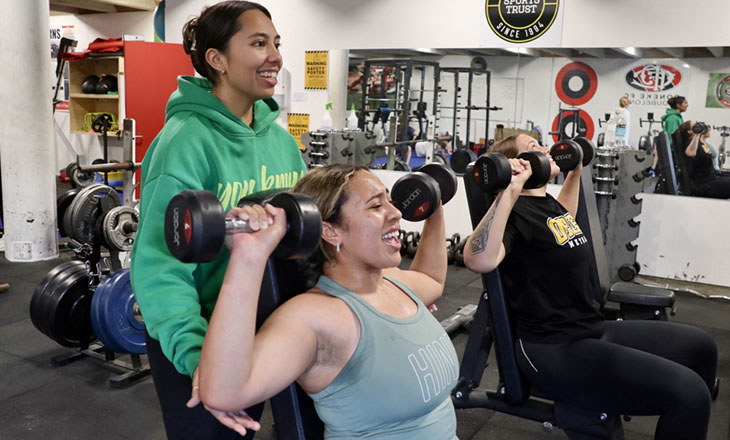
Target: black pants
pixel 636 368
pixel 719 188
pixel 173 391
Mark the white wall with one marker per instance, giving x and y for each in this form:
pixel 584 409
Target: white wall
pixel 354 24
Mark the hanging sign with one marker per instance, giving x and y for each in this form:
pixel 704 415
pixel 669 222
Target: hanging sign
pixel 298 124
pixel 315 74
pixel 718 91
pixel 521 21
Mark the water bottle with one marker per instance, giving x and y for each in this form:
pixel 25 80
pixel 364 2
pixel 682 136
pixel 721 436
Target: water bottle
pixel 610 139
pixel 620 140
pixel 351 121
pixel 327 118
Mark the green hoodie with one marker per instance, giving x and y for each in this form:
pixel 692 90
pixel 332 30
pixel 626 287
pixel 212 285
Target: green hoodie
pixel 671 121
pixel 202 146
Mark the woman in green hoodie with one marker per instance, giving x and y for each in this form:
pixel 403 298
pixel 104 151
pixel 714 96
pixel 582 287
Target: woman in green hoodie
pixel 219 135
pixel 673 117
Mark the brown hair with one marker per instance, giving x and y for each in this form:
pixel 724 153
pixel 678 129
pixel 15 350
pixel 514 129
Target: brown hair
pixel 675 101
pixel 507 146
pixel 213 29
pixel 327 186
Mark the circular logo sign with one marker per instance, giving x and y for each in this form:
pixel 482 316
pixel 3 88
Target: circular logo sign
pixel 520 21
pixel 653 77
pixel 722 91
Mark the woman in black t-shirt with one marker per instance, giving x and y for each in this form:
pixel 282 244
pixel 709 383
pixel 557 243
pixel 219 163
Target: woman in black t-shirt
pixel 705 180
pixel 564 346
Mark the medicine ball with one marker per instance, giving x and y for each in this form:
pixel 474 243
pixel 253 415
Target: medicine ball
pixel 107 83
pixel 89 84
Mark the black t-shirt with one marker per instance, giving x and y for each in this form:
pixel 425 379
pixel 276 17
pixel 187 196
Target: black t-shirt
pixel 547 274
pixel 701 168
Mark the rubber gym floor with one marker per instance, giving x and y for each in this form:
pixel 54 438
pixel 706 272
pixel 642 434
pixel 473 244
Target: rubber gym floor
pixel 39 401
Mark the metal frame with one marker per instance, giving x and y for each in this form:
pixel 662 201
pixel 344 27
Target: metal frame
pixel 456 71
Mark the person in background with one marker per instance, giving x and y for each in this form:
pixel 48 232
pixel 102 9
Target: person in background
pixel 219 135
pixel 623 108
pixel 673 117
pixel 564 346
pixel 706 181
pixel 361 341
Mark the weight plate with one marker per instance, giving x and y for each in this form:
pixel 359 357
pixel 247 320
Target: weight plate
pixel 567 154
pixel 195 226
pixel 461 158
pixel 69 215
pixel 69 322
pixel 445 177
pixel 416 196
pixel 50 305
pixel 90 207
pixel 120 227
pixel 63 202
pixel 492 172
pixel 589 149
pixel 115 317
pixel 540 165
pixel 304 225
pixel 37 301
pixel 79 178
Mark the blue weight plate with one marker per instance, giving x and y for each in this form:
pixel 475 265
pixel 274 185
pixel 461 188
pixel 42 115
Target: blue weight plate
pixel 112 315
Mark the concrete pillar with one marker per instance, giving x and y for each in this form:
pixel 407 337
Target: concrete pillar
pixel 27 147
pixel 337 66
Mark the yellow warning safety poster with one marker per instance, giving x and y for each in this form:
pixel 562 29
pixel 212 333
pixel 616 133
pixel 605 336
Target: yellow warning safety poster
pixel 298 124
pixel 315 76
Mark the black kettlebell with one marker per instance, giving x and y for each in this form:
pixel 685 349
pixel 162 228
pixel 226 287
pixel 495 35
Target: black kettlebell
pixel 89 84
pixel 107 83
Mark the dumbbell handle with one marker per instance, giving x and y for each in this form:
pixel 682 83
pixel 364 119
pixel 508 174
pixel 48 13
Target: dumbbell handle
pixel 236 225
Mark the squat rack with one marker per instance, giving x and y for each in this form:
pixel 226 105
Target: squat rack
pixel 470 105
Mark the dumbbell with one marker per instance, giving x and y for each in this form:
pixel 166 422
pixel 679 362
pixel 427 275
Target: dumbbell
pixel 492 171
pixel 416 194
pixel 568 153
pixel 196 226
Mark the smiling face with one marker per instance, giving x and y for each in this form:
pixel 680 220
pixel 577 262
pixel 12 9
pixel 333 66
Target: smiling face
pixel 252 60
pixel 528 143
pixel 368 231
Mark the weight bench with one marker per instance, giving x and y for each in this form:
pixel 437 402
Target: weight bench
pixel 667 177
pixel 294 415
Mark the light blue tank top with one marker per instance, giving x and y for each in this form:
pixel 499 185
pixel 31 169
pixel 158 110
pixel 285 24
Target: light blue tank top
pixel 397 383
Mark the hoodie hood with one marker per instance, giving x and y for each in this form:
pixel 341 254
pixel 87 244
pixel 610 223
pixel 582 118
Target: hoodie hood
pixel 194 95
pixel 671 113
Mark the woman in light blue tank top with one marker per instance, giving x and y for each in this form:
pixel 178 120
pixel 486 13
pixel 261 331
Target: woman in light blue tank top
pixel 361 342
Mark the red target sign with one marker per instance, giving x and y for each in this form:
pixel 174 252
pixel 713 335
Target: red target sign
pixel 588 86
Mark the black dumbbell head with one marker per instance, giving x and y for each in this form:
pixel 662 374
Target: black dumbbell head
pixel 589 149
pixel 492 172
pixel 416 196
pixel 444 177
pixel 303 225
pixel 567 154
pixel 540 165
pixel 89 84
pixel 107 83
pixel 195 226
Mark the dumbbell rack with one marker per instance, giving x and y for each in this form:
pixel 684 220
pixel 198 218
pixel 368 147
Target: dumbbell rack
pixel 618 175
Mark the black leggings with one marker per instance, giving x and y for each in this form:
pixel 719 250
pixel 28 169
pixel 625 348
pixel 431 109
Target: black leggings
pixel 636 368
pixel 173 391
pixel 719 188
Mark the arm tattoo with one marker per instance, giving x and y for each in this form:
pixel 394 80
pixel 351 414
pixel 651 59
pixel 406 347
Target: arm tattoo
pixel 481 234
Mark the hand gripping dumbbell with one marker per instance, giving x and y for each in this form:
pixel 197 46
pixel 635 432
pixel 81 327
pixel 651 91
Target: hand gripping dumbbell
pixel 568 153
pixel 416 194
pixel 196 226
pixel 492 171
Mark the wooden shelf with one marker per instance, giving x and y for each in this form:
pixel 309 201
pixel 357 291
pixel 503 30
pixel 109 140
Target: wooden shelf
pixel 82 103
pixel 92 96
pixel 96 6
